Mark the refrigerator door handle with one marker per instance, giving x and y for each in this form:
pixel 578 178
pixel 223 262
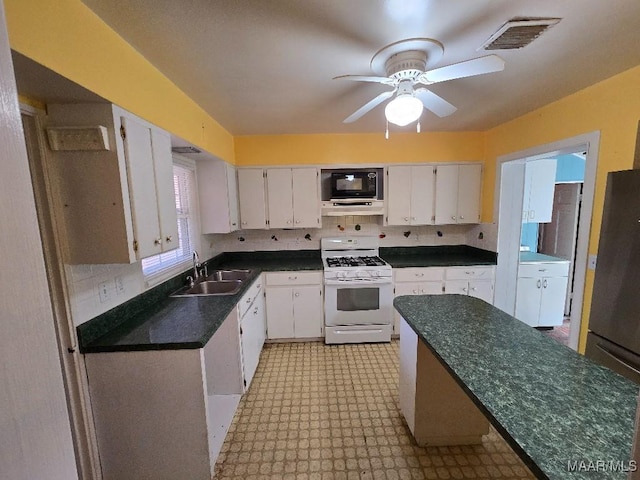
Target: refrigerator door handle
pixel 616 358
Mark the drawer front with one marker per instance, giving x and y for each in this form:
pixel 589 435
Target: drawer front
pixel 469 273
pixel 553 269
pixel 293 278
pixel 250 295
pixel 419 274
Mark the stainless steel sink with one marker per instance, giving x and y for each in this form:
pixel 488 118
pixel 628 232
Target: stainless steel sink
pixel 210 287
pixel 218 275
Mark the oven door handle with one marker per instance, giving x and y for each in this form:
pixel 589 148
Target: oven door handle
pixel 356 283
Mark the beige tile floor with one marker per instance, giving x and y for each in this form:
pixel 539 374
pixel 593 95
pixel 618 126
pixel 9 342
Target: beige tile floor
pixel 331 412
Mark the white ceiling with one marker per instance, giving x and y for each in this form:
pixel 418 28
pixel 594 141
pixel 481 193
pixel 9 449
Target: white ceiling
pixel 266 66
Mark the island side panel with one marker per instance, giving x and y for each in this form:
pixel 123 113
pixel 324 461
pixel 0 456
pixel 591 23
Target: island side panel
pixel 149 412
pixel 441 413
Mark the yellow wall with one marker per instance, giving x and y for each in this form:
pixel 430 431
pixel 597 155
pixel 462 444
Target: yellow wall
pixel 612 107
pixel 359 148
pixel 68 38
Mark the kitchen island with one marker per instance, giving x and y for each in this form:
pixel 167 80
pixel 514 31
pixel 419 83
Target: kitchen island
pixel 564 415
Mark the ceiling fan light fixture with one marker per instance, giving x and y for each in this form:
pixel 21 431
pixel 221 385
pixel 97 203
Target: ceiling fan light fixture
pixel 403 110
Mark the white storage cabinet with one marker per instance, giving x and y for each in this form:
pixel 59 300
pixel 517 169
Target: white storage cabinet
pixel 458 189
pixel 294 305
pixel 293 197
pixel 118 204
pixel 539 188
pixel 541 293
pixel 475 281
pixel 252 197
pixel 410 195
pixel 218 195
pixel 253 330
pixel 416 281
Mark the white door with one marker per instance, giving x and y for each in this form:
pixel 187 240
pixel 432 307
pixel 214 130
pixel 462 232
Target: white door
pixel 306 199
pixel 558 238
pixel 554 291
pixel 541 176
pixel 469 187
pixel 422 195
pixel 280 197
pixel 446 194
pixel 528 294
pixel 307 311
pixel 163 168
pixel 460 287
pixel 482 289
pixel 232 192
pixel 280 320
pixel 251 196
pixel 142 188
pixel 399 195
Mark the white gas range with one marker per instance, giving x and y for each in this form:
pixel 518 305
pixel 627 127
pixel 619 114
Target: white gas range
pixel 358 291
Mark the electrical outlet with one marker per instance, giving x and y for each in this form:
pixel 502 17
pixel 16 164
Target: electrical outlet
pixel 104 291
pixel 119 285
pixel 593 259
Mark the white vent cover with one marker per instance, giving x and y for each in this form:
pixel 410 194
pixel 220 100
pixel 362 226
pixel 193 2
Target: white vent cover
pixel 518 33
pixel 89 138
pixel 185 149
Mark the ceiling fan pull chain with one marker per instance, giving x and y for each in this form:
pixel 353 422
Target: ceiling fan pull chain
pixel 418 127
pixel 386 132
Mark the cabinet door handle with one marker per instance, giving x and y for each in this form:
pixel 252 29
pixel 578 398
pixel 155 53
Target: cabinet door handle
pixel 406 219
pixel 297 221
pixel 453 217
pixel 255 312
pixel 233 224
pixel 544 284
pixel 422 291
pixel 419 274
pixel 461 217
pixel 539 283
pixel 297 294
pixel 415 291
pixel 470 273
pixel 293 278
pixel 413 218
pixel 288 221
pixel 465 290
pixel 542 269
pixel 157 241
pixel 249 300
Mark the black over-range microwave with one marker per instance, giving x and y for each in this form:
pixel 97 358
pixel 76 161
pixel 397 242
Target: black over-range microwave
pixel 354 184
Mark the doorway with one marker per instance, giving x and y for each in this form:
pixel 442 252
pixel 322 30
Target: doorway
pixel 508 207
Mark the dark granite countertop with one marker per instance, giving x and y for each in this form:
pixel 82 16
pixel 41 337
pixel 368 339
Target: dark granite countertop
pixel 155 321
pixel 550 403
pixel 437 256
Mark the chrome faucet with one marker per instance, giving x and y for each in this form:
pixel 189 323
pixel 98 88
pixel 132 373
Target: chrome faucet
pixel 196 265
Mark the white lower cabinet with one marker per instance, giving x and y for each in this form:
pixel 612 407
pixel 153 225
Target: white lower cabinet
pixel 541 293
pixel 164 414
pixel 416 281
pixel 294 305
pixel 475 281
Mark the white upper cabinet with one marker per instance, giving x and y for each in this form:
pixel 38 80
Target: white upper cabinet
pixel 457 198
pixel 410 195
pixel 539 187
pixel 293 197
pixel 118 203
pixel 218 195
pixel 252 198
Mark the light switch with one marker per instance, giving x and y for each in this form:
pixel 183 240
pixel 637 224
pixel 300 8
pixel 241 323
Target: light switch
pixel 104 291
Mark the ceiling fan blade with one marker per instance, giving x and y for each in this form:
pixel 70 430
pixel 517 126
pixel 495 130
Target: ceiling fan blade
pixel 370 105
pixel 366 78
pixel 435 103
pixel 468 68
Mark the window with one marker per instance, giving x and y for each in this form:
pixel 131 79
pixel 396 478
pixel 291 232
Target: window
pixel 160 267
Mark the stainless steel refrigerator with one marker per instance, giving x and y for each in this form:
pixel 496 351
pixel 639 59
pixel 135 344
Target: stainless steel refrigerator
pixel 614 323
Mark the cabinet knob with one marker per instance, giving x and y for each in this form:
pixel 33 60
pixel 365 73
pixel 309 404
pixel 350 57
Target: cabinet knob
pixel 539 283
pixel 169 239
pixel 422 291
pixel 461 217
pixel 544 284
pixel 415 291
pixel 419 274
pixel 288 221
pixel 297 221
pixel 248 300
pixel 453 217
pixel 233 224
pixel 243 223
pixel 157 241
pixel 293 278
pixel 297 294
pixel 406 219
pixel 255 312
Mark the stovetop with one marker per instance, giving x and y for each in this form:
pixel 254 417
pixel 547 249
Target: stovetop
pixel 369 261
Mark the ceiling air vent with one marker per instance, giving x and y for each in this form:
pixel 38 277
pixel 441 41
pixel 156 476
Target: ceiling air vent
pixel 518 33
pixel 185 150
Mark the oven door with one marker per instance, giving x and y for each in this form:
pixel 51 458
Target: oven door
pixel 358 302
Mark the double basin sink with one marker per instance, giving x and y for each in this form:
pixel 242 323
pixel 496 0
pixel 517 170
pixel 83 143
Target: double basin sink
pixel 219 282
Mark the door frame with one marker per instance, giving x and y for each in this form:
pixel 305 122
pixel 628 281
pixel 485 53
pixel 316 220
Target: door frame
pixel 72 362
pixel 510 218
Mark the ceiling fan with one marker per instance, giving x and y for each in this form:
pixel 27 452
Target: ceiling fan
pixel 403 66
